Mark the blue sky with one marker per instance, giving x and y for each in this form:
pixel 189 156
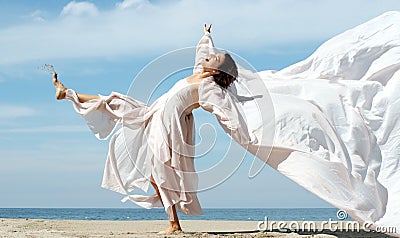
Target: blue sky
pixel 48 156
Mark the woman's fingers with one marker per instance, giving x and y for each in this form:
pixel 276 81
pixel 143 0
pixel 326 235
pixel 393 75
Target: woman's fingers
pixel 206 74
pixel 207 29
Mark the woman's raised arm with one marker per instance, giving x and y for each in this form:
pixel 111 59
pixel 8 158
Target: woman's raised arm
pixel 203 48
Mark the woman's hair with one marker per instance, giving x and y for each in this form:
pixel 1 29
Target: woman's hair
pixel 227 72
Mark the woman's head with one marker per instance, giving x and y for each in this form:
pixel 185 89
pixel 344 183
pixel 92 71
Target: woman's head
pixel 223 66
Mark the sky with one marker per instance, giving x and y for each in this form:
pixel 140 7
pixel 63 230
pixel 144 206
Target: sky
pixel 48 156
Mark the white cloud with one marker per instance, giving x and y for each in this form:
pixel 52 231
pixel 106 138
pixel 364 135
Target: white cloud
pixel 80 9
pixel 154 28
pixel 131 4
pixel 37 16
pixel 14 111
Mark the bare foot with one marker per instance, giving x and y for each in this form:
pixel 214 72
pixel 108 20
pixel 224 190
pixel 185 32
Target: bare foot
pixel 171 230
pixel 60 88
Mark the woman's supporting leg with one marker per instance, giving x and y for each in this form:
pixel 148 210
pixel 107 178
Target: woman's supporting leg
pixel 174 225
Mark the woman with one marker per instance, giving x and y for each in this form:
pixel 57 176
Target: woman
pixel 333 127
pixel 155 144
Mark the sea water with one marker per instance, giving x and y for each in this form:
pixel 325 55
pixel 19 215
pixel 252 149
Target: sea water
pixel 240 214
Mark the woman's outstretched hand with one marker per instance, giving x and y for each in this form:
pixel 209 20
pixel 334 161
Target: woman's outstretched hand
pixel 206 74
pixel 199 76
pixel 207 29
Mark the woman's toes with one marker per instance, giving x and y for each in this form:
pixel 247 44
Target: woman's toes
pixel 171 230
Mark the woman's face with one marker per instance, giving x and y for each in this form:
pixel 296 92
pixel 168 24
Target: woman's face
pixel 213 62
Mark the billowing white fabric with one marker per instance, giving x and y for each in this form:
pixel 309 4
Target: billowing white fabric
pixel 336 120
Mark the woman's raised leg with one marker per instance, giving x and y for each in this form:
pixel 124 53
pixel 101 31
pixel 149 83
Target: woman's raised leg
pixel 86 97
pixel 60 88
pixel 61 91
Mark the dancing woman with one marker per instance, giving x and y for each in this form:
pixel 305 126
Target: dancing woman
pixel 155 143
pixel 334 128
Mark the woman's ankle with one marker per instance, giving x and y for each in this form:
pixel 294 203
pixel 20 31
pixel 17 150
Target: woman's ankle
pixel 175 225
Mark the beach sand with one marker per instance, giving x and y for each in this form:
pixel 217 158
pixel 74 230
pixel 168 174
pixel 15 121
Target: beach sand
pixel 192 228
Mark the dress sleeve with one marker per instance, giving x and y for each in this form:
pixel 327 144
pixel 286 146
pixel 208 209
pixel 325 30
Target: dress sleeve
pixel 203 49
pixel 222 104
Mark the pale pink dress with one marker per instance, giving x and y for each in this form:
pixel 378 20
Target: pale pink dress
pixel 154 141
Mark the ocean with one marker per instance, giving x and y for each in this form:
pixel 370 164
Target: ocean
pixel 239 214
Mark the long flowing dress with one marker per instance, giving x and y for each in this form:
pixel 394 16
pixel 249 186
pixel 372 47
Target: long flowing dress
pixel 333 125
pixel 155 142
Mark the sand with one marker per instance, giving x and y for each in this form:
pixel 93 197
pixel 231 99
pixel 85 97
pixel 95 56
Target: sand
pixel 196 228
